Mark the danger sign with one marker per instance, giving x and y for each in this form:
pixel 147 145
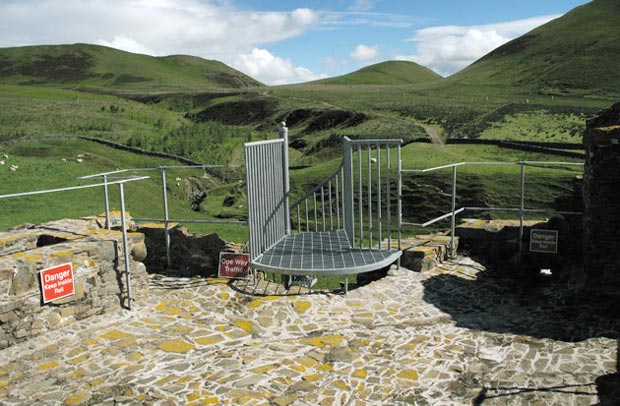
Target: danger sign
pixel 233 265
pixel 57 282
pixel 545 241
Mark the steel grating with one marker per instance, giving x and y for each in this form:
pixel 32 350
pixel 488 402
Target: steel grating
pixel 322 253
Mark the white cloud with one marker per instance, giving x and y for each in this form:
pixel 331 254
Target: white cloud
pixel 127 44
pixel 448 49
pixel 362 5
pixel 364 52
pixel 210 29
pixel 268 68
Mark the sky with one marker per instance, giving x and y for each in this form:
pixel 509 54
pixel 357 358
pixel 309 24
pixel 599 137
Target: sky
pixel 285 41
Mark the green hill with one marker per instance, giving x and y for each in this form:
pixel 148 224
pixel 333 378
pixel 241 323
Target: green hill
pixel 386 73
pixel 103 68
pixel 576 53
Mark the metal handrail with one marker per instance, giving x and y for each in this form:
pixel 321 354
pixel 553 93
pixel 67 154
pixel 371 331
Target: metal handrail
pixel 105 184
pixel 521 209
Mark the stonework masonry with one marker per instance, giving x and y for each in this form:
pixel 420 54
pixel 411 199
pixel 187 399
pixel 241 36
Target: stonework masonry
pixel 600 191
pixel 98 267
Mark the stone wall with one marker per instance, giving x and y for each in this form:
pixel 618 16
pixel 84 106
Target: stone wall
pixel 98 266
pixel 601 188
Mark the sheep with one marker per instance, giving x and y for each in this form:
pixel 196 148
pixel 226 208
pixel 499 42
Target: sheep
pixel 5 156
pixel 13 168
pixel 63 159
pixel 79 160
pixel 1 162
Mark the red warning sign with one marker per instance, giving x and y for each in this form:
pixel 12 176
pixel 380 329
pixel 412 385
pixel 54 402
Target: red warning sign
pixel 233 265
pixel 57 282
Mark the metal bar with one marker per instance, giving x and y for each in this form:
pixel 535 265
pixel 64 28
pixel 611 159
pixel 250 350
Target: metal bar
pixel 337 203
pixel 323 207
pixel 106 196
pixel 436 219
pixel 142 219
pixel 166 217
pixel 453 220
pixel 65 189
pixel 307 218
pixel 399 197
pixel 521 207
pixel 377 141
pixel 388 196
pixel 331 206
pixel 516 209
pixel 369 187
pixel 347 184
pixel 316 217
pixel 359 194
pixel 298 219
pixel 287 188
pixel 379 213
pixel 125 246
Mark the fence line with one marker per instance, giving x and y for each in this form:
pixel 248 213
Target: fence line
pixel 521 209
pixel 105 184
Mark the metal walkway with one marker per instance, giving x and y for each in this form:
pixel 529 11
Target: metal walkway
pixel 322 253
pixel 345 225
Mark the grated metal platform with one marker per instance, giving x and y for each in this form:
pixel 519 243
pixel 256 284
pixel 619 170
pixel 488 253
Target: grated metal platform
pixel 322 253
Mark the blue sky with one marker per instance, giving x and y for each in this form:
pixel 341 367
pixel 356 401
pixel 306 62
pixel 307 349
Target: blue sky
pixel 280 42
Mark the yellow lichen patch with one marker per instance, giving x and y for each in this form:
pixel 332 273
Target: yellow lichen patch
pixel 66 253
pixel 264 369
pixel 223 295
pixel 176 346
pixel 97 382
pixel 255 303
pixel 334 340
pixel 3 384
pixel 90 341
pixel 173 310
pixel 164 380
pixel 208 340
pixel 325 367
pixel 307 361
pixel 134 357
pixel 299 368
pixel 78 398
pixel 184 379
pixel 192 396
pixel 4 372
pixel 354 303
pixel 115 335
pixel 301 306
pixel 272 297
pixel 78 373
pixel 34 258
pixel 312 377
pixel 410 346
pixel 341 385
pixel 47 365
pixel 161 306
pixel 359 373
pixel 78 360
pixel 244 324
pixel 221 328
pixel 410 374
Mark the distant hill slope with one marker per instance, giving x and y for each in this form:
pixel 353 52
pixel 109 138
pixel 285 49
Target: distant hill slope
pixel 386 73
pixel 578 52
pixel 98 67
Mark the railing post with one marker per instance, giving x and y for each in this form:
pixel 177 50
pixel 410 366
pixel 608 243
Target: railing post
pixel 347 184
pixel 166 215
pixel 125 245
pixel 107 202
pixel 287 211
pixel 399 199
pixel 453 221
pixel 521 209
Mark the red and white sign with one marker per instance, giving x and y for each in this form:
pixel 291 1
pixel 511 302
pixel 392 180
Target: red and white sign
pixel 57 282
pixel 233 265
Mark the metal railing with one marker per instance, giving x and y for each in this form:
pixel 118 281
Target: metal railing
pixel 358 196
pixel 522 210
pixel 106 184
pixel 167 220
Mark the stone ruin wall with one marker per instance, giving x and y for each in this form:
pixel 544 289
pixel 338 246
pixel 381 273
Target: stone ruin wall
pixel 601 191
pixel 98 267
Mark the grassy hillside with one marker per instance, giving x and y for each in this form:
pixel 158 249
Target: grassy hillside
pixel 386 73
pixel 97 67
pixel 577 53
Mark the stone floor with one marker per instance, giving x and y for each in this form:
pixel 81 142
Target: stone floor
pixel 450 336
